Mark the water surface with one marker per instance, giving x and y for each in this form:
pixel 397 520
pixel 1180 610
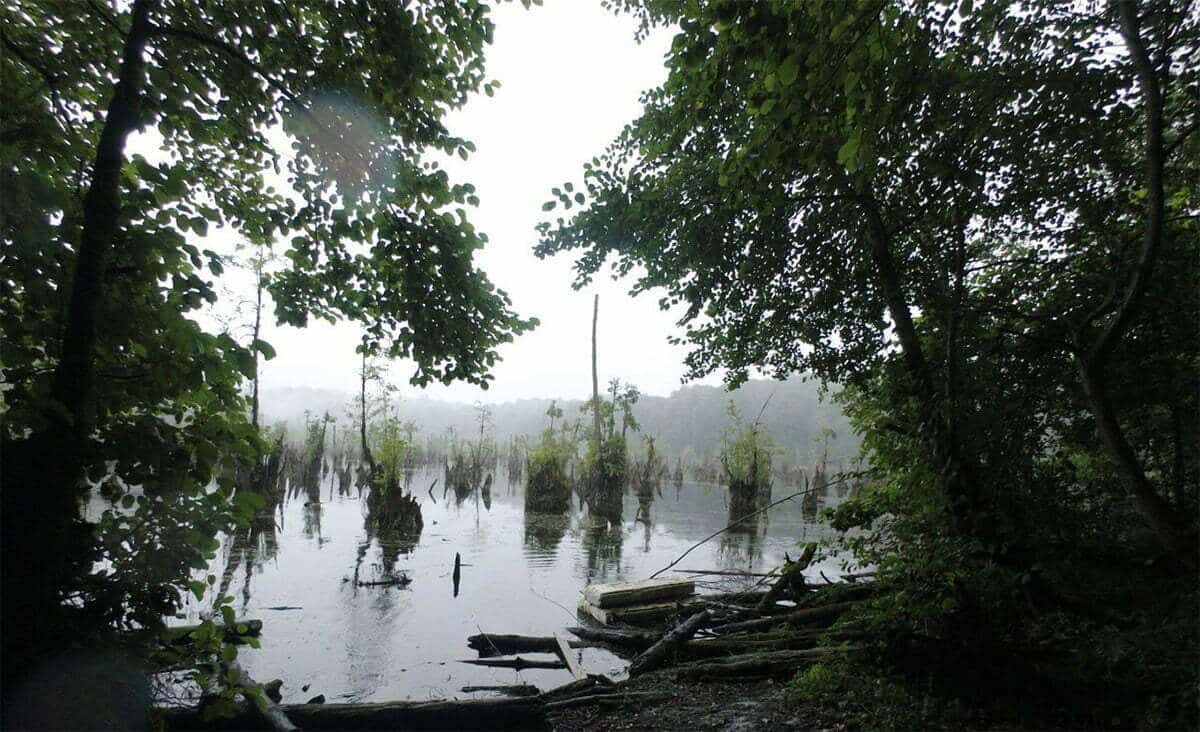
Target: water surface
pixel 522 574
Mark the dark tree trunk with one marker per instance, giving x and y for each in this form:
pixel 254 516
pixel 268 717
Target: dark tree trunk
pixel 362 425
pixel 597 440
pixel 1170 530
pixel 75 378
pixel 45 540
pixel 254 345
pixel 954 470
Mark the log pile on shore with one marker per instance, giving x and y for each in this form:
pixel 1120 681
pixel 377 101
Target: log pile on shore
pixel 770 633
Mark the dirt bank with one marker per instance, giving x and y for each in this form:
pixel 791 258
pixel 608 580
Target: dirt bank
pixel 743 705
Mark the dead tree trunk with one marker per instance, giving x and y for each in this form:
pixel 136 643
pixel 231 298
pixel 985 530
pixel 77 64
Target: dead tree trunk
pixel 791 575
pixel 659 653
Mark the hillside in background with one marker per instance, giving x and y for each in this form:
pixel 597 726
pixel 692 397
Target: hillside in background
pixel 688 423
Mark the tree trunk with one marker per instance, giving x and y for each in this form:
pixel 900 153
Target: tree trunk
pixel 42 473
pixel 596 441
pixel 254 346
pixel 362 425
pixel 1171 532
pixel 954 471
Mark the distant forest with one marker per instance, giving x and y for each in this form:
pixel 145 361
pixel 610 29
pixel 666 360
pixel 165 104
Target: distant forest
pixel 689 423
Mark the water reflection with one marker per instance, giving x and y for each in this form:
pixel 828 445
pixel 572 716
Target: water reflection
pixel 602 542
pixel 387 641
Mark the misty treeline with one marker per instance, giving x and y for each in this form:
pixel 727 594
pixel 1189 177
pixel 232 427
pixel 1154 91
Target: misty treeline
pixel 688 424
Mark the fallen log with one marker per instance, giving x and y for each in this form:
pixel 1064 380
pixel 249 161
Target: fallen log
pixel 401 581
pixel 638 614
pixel 489 644
pixel 610 698
pixel 723 572
pixel 518 713
pixel 240 627
pixel 757 664
pixel 657 654
pixel 508 690
pixel 517 663
pixel 564 652
pixel 644 592
pixel 736 598
pixel 586 685
pixel 630 637
pixel 268 710
pixel 792 576
pixel 795 617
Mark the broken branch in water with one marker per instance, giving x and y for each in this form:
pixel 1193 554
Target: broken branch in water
pixel 741 520
pixel 492 644
pixel 517 663
pixel 657 654
pixel 510 690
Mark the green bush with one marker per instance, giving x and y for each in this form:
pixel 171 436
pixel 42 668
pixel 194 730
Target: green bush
pixel 548 487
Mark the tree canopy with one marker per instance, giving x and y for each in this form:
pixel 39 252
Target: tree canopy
pixel 981 219
pixel 314 128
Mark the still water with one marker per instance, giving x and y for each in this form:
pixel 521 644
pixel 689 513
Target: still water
pixel 521 574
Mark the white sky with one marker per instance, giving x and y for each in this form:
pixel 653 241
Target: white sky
pixel 570 76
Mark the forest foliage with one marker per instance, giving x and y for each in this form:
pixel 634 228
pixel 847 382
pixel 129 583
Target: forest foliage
pixel 108 372
pixel 984 223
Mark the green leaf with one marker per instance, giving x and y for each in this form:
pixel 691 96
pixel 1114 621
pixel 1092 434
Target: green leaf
pixel 266 349
pixel 549 205
pixel 788 71
pixel 847 154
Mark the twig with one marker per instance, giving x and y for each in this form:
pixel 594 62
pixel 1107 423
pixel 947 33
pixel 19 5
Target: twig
pixel 742 519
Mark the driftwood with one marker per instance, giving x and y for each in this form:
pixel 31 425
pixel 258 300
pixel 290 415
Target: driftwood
pixel 757 664
pixel 658 653
pixel 791 576
pixel 240 627
pixel 639 614
pixel 401 581
pixel 625 697
pixel 737 598
pixel 586 685
pixel 628 637
pixel 622 594
pixel 517 663
pixel 519 713
pixel 795 617
pixel 723 572
pixel 489 644
pixel 508 690
pixel 564 652
pixel 269 712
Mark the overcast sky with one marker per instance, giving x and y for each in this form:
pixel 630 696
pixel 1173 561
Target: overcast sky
pixel 570 76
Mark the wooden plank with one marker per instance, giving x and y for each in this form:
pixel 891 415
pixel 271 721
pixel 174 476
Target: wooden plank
pixel 564 652
pixel 620 594
pixel 635 614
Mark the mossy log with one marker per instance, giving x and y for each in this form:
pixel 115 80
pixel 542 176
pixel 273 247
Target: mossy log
pixel 771 663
